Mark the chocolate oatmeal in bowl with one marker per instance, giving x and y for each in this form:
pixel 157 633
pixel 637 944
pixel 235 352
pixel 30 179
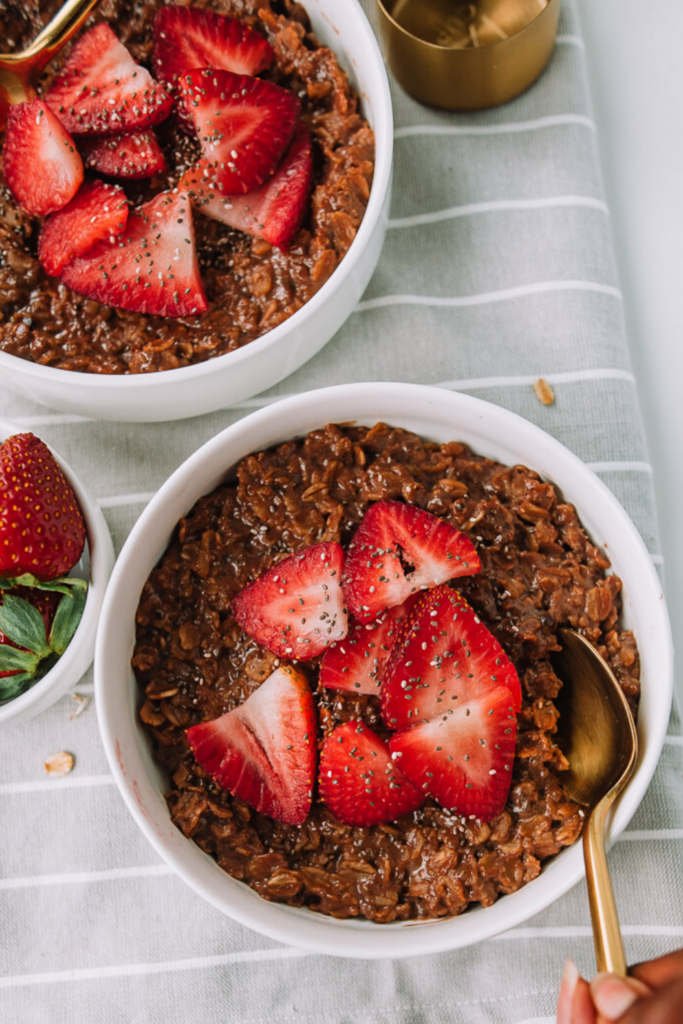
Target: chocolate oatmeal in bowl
pixel 316 770
pixel 196 223
pixel 400 825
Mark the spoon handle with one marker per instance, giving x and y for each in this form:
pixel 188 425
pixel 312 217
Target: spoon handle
pixel 609 948
pixel 57 32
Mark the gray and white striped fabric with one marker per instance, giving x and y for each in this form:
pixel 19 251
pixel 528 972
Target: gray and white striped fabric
pixel 498 269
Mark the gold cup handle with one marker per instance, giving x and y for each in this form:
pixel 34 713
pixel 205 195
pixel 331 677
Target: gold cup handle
pixel 56 33
pixel 609 948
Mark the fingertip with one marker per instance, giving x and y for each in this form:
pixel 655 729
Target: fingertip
pixel 613 995
pixel 583 1010
pixel 570 977
pixel 574 1004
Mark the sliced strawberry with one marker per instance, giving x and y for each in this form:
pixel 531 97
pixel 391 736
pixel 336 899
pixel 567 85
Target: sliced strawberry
pixel 397 550
pixel 151 268
pixel 97 212
pixel 357 663
pixel 244 126
pixel 296 609
pixel 446 657
pixel 265 750
pixel 40 163
pixel 187 38
pixel 360 782
pixel 273 211
pixel 100 90
pixel 451 692
pixel 125 156
pixel 464 757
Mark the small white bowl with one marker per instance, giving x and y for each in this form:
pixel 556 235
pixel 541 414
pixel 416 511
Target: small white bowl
pixel 95 566
pixel 230 378
pixel 437 415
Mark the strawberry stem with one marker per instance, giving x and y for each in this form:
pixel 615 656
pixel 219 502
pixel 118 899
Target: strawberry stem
pixel 12 660
pixel 29 654
pixel 61 584
pixel 23 625
pixel 14 685
pixel 67 617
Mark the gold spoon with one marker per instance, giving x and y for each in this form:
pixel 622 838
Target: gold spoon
pixel 19 71
pixel 598 737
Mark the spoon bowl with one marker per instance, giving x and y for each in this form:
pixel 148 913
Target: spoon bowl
pixel 19 71
pixel 598 737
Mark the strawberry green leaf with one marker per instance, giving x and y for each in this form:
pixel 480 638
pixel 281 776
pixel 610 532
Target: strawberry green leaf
pixel 67 617
pixel 61 584
pixel 23 625
pixel 14 685
pixel 12 660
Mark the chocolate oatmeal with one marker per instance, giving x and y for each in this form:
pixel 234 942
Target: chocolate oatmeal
pixel 251 286
pixel 193 663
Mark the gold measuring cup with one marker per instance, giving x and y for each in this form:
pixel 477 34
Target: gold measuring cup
pixel 467 56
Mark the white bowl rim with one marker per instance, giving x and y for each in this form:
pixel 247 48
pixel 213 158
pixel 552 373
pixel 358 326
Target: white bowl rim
pixel 384 141
pixel 363 939
pixel 74 662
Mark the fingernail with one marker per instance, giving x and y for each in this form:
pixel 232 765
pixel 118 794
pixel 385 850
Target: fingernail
pixel 570 977
pixel 612 995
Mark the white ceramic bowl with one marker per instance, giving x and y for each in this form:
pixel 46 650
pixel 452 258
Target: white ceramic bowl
pixel 226 379
pixel 95 566
pixel 440 416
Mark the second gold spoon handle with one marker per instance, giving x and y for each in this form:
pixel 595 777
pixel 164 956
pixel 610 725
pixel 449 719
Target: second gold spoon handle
pixel 609 948
pixel 57 32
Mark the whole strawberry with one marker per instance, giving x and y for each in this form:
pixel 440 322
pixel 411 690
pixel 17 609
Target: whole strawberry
pixel 42 531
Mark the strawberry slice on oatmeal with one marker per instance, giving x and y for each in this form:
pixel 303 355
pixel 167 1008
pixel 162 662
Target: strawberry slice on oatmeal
pixel 97 212
pixel 451 693
pixel 273 211
pixel 101 90
pixel 244 126
pixel 186 38
pixel 296 609
pixel 359 661
pixel 359 781
pixel 397 550
pixel 125 156
pixel 150 268
pixel 264 751
pixel 40 162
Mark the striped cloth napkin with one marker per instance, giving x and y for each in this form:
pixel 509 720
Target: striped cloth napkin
pixel 498 270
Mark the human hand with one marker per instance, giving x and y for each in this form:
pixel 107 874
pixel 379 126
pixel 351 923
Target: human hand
pixel 651 994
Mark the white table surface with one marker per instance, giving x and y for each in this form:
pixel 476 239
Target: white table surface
pixel 636 73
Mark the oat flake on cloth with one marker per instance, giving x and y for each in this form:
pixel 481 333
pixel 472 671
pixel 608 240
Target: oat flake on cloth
pixel 498 269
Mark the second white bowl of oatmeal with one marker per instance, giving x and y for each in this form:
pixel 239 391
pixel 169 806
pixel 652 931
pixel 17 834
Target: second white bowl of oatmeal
pixel 436 415
pixel 226 379
pixel 94 565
